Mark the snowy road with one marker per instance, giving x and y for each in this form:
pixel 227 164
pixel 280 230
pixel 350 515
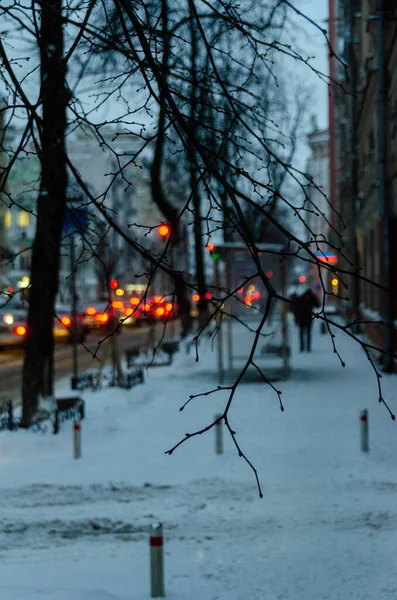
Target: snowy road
pixel 325 529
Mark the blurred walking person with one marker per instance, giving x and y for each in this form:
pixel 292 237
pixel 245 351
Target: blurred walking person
pixel 304 318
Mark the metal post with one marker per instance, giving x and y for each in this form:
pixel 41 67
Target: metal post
pixel 10 416
pixel 364 431
pixel 221 373
pixel 157 561
pixel 56 422
pixel 284 323
pixel 73 268
pixel 218 435
pixel 77 439
pixel 229 319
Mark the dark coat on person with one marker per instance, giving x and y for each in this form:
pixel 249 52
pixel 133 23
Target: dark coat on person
pixel 304 309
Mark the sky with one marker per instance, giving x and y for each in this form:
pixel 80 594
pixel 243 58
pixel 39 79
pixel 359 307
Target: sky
pixel 313 43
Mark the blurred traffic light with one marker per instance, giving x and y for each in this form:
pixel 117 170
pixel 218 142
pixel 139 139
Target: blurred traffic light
pixel 214 254
pixel 114 284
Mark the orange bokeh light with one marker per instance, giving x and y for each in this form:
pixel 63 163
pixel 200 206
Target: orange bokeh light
pixel 196 297
pixel 160 311
pixel 117 304
pixel 67 321
pixel 164 230
pixel 134 301
pixel 90 310
pixel 102 317
pixel 210 247
pixel 168 306
pixel 20 330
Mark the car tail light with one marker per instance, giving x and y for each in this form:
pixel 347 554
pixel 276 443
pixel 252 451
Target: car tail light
pixel 20 330
pixel 66 321
pixel 196 297
pixel 146 307
pixel 208 296
pixel 102 317
pixel 118 304
pixel 134 301
pixel 160 311
pixel 128 311
pixel 158 299
pixel 91 310
pixel 168 307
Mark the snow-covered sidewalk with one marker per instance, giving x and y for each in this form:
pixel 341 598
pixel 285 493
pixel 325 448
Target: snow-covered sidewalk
pixel 326 527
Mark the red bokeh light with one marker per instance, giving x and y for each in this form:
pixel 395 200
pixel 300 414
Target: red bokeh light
pixel 302 278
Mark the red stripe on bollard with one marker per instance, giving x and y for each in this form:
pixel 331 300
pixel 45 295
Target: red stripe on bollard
pixel 156 541
pixel 77 426
pixel 363 418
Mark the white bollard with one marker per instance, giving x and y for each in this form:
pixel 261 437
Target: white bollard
pixel 157 561
pixel 218 435
pixel 77 439
pixel 364 431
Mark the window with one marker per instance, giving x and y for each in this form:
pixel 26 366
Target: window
pixel 8 218
pixel 23 219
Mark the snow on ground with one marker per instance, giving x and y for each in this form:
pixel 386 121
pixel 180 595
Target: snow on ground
pixel 325 529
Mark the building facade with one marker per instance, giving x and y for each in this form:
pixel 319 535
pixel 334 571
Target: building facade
pixel 319 217
pixel 365 145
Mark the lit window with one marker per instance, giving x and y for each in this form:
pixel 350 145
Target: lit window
pixel 23 219
pixel 8 218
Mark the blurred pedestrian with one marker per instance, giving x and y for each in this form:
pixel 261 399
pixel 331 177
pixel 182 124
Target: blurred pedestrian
pixel 304 318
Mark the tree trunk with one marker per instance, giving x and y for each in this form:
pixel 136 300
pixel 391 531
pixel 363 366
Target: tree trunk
pixel 157 188
pixel 39 349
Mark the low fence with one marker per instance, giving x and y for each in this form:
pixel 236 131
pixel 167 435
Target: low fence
pixel 72 408
pixel 95 381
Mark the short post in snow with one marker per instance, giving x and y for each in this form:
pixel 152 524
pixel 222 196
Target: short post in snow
pixel 156 561
pixel 10 415
pixel 364 431
pixel 77 439
pixel 218 435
